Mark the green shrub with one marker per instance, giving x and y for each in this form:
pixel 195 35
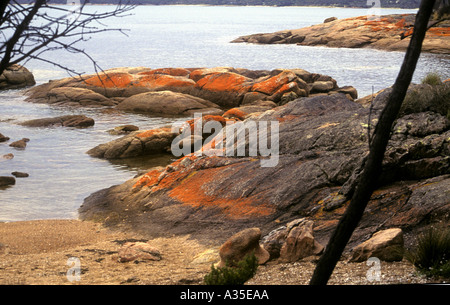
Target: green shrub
pixel 245 270
pixel 423 98
pixel 432 255
pixel 433 79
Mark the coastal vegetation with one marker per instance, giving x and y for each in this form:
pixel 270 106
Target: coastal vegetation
pixel 432 253
pixel 432 95
pixel 233 275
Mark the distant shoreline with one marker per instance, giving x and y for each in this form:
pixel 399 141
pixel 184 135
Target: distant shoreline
pixel 237 5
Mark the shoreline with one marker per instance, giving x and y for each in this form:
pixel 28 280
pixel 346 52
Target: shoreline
pixel 37 252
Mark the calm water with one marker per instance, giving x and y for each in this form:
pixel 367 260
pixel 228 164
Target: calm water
pixel 62 175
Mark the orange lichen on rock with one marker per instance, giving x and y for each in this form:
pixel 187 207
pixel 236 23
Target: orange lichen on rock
pixel 271 85
pixel 235 113
pixel 152 132
pixel 207 118
pixel 149 179
pixel 191 192
pixel 442 32
pixel 162 81
pixel 401 23
pixel 111 80
pixel 226 82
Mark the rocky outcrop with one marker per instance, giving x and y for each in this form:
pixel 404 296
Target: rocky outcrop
pixel 16 77
pixel 383 33
pixel 323 141
pixel 69 96
pixel 77 121
pixel 136 144
pixel 180 91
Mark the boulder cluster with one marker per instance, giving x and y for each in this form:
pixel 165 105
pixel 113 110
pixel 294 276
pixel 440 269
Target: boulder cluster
pixel 387 32
pixel 183 92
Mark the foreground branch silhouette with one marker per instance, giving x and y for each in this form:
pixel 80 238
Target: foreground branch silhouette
pixel 29 31
pixel 372 167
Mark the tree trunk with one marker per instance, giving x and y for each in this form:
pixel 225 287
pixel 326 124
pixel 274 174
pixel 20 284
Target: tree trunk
pixel 372 168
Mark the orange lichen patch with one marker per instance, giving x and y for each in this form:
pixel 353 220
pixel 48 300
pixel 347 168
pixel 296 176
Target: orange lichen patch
pixel 372 23
pixel 224 82
pixel 401 23
pixel 149 179
pixel 157 81
pixel 152 132
pixel 192 192
pixel 378 28
pixel 235 113
pixel 111 80
pixel 292 86
pixel 408 32
pixel 168 71
pixel 447 80
pixel 197 74
pixel 441 32
pixel 356 18
pixel 271 85
pixel 205 119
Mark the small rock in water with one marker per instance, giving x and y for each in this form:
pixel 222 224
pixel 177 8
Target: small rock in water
pixel 119 130
pixel 6 180
pixel 21 144
pixel 3 138
pixel 20 174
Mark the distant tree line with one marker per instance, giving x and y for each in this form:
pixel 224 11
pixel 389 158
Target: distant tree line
pixel 338 3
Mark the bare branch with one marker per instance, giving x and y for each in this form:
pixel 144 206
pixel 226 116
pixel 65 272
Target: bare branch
pixel 29 31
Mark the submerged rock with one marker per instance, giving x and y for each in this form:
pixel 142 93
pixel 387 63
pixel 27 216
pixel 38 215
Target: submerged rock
pixel 77 121
pixel 124 129
pixel 20 174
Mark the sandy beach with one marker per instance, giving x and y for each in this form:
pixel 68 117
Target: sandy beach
pixel 42 252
